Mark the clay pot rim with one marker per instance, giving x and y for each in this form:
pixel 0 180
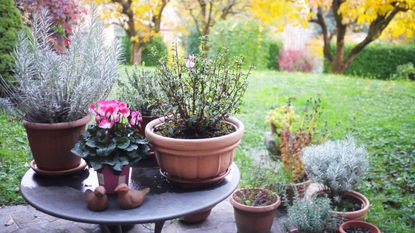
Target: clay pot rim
pixel 358 223
pixel 352 194
pixel 307 182
pixel 57 126
pixel 149 131
pixel 255 209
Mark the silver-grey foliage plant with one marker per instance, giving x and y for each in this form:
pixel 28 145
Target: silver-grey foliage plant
pixel 54 87
pixel 142 92
pixel 336 164
pixel 312 216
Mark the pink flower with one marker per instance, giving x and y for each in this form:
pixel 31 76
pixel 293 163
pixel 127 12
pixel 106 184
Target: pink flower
pixel 67 42
pixel 190 62
pixel 105 124
pixel 123 109
pixel 135 118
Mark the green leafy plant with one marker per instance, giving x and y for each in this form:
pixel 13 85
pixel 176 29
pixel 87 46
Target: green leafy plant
pixel 282 118
pixel 255 197
pixel 141 90
pixel 312 216
pixel 404 72
pixel 54 87
pixel 201 93
pixel 114 141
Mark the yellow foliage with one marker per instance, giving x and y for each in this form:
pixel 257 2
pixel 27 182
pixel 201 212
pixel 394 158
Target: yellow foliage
pixel 278 13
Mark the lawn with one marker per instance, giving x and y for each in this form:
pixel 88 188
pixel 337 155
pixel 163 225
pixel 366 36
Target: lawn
pixel 380 114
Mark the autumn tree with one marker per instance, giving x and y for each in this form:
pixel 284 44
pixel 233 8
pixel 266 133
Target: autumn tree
pixel 373 16
pixel 205 13
pixel 140 19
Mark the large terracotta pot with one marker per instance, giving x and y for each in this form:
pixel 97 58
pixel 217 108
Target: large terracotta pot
pixel 51 144
pixel 355 223
pixel 195 162
pixel 254 219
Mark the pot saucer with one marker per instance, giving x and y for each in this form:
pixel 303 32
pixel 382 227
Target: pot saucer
pixel 195 183
pixel 39 171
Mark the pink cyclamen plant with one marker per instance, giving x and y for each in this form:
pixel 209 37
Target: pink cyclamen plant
pixel 108 113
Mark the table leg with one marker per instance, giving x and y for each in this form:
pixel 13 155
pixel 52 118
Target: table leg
pixel 158 226
pixel 111 228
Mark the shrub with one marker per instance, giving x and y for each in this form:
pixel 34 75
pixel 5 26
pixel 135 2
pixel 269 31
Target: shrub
pixel 274 51
pixel 294 60
pixel 243 37
pixel 142 92
pixel 404 72
pixel 193 42
pixel 378 61
pixel 56 87
pixel 312 216
pixel 201 93
pixel 153 51
pixel 10 24
pixel 336 164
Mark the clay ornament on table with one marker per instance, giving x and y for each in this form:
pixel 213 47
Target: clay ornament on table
pixel 129 198
pixel 97 200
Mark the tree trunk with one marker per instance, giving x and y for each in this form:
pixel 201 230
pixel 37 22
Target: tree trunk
pixel 136 53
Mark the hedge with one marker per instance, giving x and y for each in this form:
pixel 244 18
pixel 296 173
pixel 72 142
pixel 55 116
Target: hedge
pixel 378 61
pixel 153 50
pixel 10 24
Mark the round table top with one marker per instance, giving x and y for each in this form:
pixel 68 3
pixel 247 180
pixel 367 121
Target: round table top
pixel 63 197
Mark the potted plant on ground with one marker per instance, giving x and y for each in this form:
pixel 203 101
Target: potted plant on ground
pixel 141 90
pixel 311 216
pixel 113 143
pixel 356 226
pixel 294 134
pixel 52 91
pixel 254 209
pixel 338 165
pixel 195 142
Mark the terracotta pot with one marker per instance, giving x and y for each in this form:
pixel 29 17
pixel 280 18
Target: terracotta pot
pixel 254 219
pixel 290 190
pixel 51 144
pixel 196 217
pixel 146 120
pixel 356 223
pixel 195 162
pixel 351 215
pixel 355 215
pixel 110 180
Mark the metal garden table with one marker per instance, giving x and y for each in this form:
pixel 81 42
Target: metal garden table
pixel 63 197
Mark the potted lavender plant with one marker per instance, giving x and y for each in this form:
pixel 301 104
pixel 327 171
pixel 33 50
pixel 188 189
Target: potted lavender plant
pixel 195 142
pixel 53 91
pixel 338 165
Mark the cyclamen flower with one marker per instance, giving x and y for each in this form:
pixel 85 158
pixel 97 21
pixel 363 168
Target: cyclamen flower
pixel 135 118
pixel 190 62
pixel 105 124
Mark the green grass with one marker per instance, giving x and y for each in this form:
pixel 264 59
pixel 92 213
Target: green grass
pixel 380 114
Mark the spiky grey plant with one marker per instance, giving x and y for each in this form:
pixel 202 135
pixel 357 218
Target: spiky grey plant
pixel 336 164
pixel 312 216
pixel 142 91
pixel 54 87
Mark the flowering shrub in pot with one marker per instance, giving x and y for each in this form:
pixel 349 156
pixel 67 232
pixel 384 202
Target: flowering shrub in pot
pixel 53 91
pixel 338 165
pixel 195 142
pixel 113 143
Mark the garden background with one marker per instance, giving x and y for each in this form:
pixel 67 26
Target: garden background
pixel 295 56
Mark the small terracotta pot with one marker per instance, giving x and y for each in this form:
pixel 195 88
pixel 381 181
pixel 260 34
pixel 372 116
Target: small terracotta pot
pixel 351 215
pixel 195 162
pixel 254 219
pixel 358 214
pixel 356 223
pixel 146 120
pixel 110 180
pixel 51 144
pixel 290 190
pixel 198 217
